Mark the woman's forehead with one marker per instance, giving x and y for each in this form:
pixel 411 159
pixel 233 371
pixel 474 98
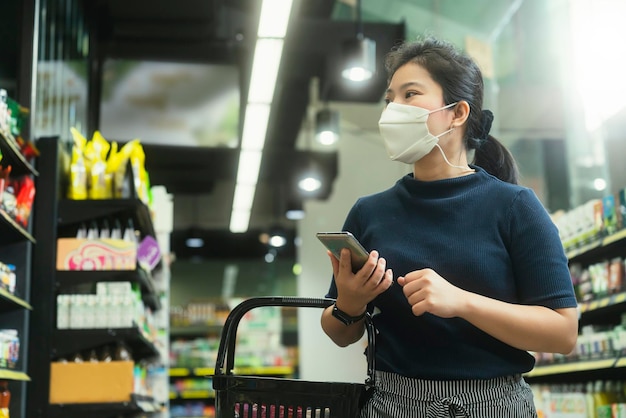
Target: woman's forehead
pixel 411 75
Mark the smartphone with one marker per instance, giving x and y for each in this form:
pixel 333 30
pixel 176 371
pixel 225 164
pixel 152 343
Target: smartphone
pixel 335 241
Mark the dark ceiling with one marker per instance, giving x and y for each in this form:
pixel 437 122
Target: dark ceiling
pixel 224 31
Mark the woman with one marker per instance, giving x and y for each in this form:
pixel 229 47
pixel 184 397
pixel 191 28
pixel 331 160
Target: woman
pixel 466 272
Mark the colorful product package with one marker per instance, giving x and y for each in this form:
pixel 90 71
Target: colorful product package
pixel 96 254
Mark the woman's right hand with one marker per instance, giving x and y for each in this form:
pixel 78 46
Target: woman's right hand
pixel 356 290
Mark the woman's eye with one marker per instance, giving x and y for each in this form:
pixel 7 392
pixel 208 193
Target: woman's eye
pixel 387 101
pixel 410 94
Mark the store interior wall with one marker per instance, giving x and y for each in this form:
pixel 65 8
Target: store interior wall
pixel 364 169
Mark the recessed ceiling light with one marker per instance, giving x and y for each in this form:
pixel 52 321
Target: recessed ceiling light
pixel 194 242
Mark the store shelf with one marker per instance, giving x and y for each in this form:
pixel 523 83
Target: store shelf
pixel 192 394
pixel 8 374
pixel 196 330
pixel 137 404
pixel 243 371
pixel 76 211
pixel 12 232
pixel 602 303
pixel 11 155
pixel 10 302
pixel 565 368
pixel 596 248
pixel 68 342
pixel 72 278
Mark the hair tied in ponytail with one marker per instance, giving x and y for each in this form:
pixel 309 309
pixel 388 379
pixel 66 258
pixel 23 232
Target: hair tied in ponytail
pixel 487 120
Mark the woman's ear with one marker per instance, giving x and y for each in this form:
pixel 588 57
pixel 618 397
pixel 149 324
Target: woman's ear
pixel 461 113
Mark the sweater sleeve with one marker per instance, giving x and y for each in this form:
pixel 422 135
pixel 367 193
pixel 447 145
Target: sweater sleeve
pixel 539 262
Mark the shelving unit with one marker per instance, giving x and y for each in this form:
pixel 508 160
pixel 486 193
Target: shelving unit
pixel 20 166
pixel 10 302
pixel 137 405
pixel 602 310
pixel 69 341
pixel 73 212
pixel 195 330
pixel 11 231
pixel 191 388
pixel 60 217
pixel 16 243
pixel 139 275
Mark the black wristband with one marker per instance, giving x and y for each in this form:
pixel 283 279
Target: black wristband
pixel 344 317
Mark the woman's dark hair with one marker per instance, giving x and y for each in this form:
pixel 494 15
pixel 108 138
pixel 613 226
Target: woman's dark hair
pixel 460 79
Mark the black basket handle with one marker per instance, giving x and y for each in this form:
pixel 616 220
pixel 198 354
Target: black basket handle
pixel 226 351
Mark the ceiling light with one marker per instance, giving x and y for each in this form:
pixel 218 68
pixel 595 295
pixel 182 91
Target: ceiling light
pixel 360 59
pixel 327 126
pixel 359 53
pixel 249 165
pixel 194 242
pixel 255 126
pixel 239 220
pixel 310 178
pixel 310 183
pixel 277 241
pixel 267 55
pixel 244 196
pixel 599 184
pixel 274 18
pixel 265 65
pixel 277 237
pixel 270 257
pixel 295 214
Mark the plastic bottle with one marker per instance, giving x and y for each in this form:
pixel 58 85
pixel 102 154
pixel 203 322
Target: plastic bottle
pixel 4 111
pixel 5 399
pixel 92 232
pixel 601 400
pixel 129 232
pixel 105 231
pixel 76 358
pixel 122 353
pixel 93 357
pixel 82 231
pixel 116 232
pixel 106 356
pixel 590 400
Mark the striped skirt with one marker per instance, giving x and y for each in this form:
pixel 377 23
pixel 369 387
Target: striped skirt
pixel 397 396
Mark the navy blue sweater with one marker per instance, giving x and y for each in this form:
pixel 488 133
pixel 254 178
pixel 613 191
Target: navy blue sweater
pixel 482 235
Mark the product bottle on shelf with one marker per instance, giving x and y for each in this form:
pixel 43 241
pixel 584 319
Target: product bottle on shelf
pixel 106 355
pixel 5 399
pixel 122 353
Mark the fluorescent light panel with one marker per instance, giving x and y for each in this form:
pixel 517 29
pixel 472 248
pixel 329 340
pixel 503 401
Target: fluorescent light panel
pixel 267 54
pixel 239 220
pixel 274 18
pixel 244 196
pixel 255 126
pixel 266 62
pixel 249 164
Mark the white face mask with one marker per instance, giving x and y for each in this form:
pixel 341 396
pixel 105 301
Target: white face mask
pixel 405 132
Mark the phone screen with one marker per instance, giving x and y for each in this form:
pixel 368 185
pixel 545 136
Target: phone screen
pixel 335 241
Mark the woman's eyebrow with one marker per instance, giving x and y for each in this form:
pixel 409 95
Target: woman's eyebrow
pixel 407 85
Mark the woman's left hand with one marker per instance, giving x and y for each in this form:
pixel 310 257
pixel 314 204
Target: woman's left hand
pixel 427 291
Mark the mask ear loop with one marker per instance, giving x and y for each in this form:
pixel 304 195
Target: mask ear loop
pixel 443 154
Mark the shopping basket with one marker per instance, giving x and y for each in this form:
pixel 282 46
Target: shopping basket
pixel 273 397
